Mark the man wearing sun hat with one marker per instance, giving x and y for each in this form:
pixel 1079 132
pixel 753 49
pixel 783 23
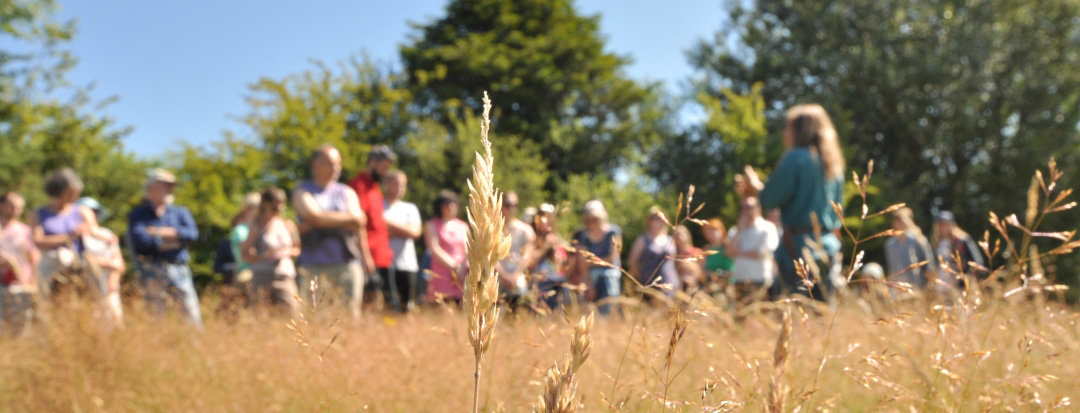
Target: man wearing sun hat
pixel 160 234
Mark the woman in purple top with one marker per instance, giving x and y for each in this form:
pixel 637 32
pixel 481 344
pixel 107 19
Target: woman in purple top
pixel 58 228
pixel 650 256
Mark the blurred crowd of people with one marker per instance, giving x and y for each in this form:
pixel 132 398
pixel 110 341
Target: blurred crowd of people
pixel 358 241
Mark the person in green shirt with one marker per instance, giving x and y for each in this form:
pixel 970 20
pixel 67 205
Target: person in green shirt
pixel 808 179
pixel 716 236
pixel 239 233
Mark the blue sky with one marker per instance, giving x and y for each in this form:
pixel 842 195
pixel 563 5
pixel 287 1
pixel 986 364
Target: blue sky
pixel 181 69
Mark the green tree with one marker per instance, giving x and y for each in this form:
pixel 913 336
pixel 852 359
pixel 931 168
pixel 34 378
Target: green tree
pixel 45 123
pixel 550 79
pixel 709 155
pixel 957 102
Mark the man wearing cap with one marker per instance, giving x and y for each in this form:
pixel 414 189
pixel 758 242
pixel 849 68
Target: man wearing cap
pixel 160 233
pixel 378 257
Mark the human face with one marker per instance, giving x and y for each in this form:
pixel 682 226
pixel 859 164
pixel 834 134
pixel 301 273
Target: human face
pixel 380 168
pixel 450 211
pixel 12 209
pixel 159 193
pixel 897 224
pixel 394 188
pixel 655 225
pixel 544 224
pixel 944 229
pixel 510 206
pixel 712 234
pixel 327 168
pixel 71 195
pixel 592 222
pixel 749 210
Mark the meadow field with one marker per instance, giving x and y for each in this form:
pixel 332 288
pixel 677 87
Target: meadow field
pixel 984 353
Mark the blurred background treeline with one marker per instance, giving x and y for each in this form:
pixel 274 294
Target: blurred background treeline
pixel 956 102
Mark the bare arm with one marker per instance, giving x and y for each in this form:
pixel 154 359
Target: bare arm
pixel 247 248
pixel 635 255
pixel 307 209
pixel 437 253
pixel 294 232
pixel 616 249
pixel 528 251
pixel 410 230
pixel 45 242
pixel 93 228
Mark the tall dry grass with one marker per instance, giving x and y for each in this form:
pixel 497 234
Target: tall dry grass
pixel 998 345
pixel 917 356
pixel 487 244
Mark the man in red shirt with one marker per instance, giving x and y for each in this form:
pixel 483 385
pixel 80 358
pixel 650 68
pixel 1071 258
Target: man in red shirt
pixel 378 257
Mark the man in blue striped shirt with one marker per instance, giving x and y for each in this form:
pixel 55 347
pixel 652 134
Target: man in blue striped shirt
pixel 160 233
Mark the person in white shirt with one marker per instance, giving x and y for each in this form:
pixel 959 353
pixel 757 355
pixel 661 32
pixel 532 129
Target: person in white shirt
pixel 404 225
pixel 511 269
pixel 753 244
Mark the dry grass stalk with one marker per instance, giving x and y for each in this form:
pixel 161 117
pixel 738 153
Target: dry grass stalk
pixel 777 389
pixel 486 245
pixel 560 386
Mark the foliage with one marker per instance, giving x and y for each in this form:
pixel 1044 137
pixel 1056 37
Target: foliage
pixel 957 100
pixel 710 154
pixel 549 75
pixel 46 124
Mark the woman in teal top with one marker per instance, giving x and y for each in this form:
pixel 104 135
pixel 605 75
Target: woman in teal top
pixel 809 178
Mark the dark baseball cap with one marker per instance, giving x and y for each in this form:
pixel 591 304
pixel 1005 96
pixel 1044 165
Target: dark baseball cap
pixel 944 216
pixel 382 153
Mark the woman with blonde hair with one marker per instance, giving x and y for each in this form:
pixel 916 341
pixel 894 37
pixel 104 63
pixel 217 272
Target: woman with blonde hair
pixel 803 186
pixel 904 252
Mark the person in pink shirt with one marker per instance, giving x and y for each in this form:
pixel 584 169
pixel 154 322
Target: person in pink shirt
pixel 18 258
pixel 445 237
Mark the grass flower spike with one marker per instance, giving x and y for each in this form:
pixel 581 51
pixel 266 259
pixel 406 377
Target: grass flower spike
pixel 487 244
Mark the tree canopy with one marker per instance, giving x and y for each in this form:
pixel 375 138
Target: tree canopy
pixel 551 80
pixel 46 123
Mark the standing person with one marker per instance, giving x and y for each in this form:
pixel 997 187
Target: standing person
pixel 804 185
pixel 18 261
pixel 718 265
pixel 904 251
pixel 404 224
pixel 511 269
pixel 753 245
pixel 270 248
pixel 548 261
pixel 687 266
pixel 377 256
pixel 58 231
pixel 652 257
pixel 602 241
pixel 331 231
pixel 241 227
pixel 160 234
pixel 445 237
pixel 106 261
pixel 956 249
